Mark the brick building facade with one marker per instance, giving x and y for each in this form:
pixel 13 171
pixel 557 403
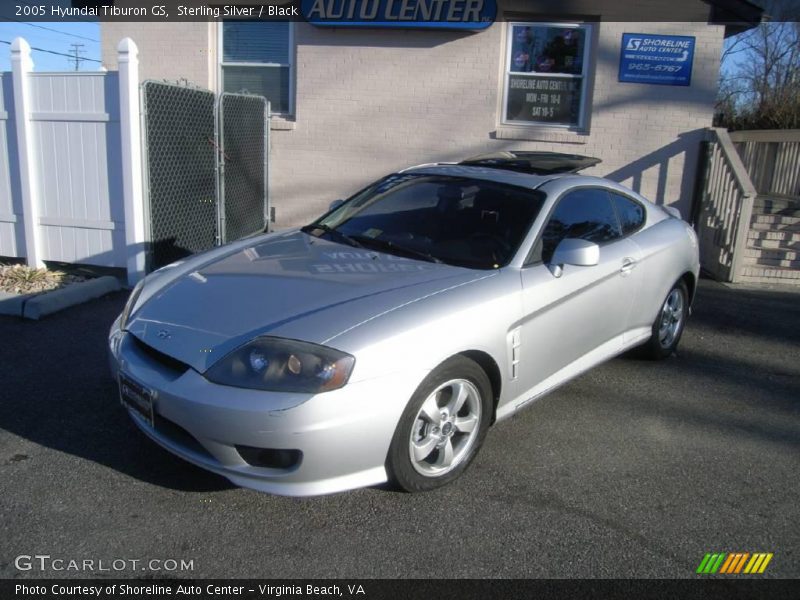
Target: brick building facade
pixel 362 102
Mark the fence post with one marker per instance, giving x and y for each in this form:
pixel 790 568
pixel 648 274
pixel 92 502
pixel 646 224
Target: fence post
pixel 21 67
pixel 128 60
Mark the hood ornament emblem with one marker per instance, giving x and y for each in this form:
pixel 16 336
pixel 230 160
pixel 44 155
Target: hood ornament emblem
pixel 164 334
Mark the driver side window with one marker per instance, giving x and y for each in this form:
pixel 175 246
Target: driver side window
pixel 585 214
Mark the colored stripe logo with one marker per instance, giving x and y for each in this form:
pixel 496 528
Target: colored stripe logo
pixel 734 563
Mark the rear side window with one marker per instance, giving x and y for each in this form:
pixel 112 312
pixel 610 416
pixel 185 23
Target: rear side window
pixel 630 213
pixel 585 214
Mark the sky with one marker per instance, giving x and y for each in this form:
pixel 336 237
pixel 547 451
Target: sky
pixel 55 37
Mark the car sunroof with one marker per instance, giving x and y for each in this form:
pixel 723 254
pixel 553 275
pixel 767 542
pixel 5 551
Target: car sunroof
pixel 536 163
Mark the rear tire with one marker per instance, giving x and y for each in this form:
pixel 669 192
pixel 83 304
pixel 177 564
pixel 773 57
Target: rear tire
pixel 442 428
pixel 669 323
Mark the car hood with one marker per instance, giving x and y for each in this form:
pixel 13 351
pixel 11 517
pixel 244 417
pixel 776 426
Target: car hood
pixel 289 285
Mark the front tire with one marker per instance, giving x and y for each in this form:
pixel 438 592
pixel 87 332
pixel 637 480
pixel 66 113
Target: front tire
pixel 669 323
pixel 442 428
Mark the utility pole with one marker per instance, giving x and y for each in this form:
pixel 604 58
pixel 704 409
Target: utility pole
pixel 77 50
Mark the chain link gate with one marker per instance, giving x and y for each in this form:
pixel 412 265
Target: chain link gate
pixel 205 168
pixel 243 168
pixel 180 171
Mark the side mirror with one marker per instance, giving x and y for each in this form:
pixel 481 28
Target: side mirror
pixel 335 204
pixel 572 251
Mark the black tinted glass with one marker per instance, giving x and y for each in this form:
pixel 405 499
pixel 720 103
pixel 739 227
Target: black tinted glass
pixel 584 214
pixel 455 220
pixel 630 213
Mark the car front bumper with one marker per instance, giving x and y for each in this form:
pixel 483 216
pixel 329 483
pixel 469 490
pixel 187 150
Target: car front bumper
pixel 343 435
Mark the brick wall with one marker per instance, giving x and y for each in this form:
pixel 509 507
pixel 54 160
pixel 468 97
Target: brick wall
pixel 372 101
pixel 169 51
pixel 369 102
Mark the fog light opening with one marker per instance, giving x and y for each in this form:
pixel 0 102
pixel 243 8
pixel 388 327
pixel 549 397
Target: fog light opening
pixel 270 458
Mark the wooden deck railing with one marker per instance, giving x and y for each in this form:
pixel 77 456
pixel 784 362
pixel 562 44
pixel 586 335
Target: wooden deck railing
pixel 772 159
pixel 726 206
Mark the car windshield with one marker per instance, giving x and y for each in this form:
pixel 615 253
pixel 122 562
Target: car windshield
pixel 454 220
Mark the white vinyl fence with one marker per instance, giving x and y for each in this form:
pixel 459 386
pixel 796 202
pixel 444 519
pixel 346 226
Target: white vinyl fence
pixel 10 206
pixel 76 160
pixel 70 164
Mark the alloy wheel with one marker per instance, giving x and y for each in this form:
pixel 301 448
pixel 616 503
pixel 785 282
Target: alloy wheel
pixel 445 428
pixel 671 319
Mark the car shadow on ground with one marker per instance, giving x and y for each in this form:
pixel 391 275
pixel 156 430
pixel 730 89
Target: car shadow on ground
pixel 59 394
pixel 769 313
pixel 765 409
pixel 739 358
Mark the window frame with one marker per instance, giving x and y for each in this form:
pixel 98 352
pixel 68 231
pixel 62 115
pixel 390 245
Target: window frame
pixel 585 75
pixel 530 262
pixel 221 63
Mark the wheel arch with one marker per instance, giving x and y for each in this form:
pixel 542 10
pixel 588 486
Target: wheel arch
pixel 489 366
pixel 691 284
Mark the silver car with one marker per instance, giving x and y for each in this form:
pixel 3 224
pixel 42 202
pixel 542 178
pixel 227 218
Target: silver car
pixel 381 342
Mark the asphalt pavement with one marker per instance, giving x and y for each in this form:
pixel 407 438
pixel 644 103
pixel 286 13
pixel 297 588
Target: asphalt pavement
pixel 636 469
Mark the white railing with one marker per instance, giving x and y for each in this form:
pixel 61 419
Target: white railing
pixel 772 159
pixel 725 210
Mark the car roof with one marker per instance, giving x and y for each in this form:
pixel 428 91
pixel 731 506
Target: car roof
pixel 561 181
pixel 485 173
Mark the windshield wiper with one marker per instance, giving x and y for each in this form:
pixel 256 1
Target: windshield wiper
pixel 394 248
pixel 342 237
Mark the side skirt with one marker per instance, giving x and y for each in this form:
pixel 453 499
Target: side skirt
pixel 613 347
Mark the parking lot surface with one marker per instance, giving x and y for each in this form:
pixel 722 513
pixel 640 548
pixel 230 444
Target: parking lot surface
pixel 636 469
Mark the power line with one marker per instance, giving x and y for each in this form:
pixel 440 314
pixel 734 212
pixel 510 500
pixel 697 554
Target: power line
pixel 72 56
pixel 75 35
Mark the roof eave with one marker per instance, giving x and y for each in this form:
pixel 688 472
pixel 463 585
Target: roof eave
pixel 736 15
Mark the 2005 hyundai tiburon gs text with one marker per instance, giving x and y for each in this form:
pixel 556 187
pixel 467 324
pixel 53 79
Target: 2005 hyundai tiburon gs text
pixel 381 341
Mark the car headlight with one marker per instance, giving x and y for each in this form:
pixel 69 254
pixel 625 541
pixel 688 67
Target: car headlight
pixel 126 312
pixel 281 365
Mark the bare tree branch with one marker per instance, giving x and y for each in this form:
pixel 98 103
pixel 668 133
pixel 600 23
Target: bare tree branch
pixel 760 75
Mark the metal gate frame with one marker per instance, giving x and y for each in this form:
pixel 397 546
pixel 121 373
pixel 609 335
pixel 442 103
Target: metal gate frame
pixel 153 254
pixel 222 156
pixel 220 233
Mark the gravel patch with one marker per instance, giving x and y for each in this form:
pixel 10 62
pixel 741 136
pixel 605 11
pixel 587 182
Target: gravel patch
pixel 21 279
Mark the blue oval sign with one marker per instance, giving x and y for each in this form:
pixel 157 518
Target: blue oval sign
pixel 408 14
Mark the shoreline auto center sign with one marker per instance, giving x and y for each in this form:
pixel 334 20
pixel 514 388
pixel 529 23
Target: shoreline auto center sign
pixel 409 14
pixel 657 59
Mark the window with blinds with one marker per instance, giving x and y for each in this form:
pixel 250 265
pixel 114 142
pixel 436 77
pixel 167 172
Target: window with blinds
pixel 257 59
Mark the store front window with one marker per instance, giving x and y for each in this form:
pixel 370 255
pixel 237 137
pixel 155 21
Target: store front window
pixel 257 58
pixel 546 74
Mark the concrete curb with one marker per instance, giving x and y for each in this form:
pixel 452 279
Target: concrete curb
pixel 12 304
pixel 46 304
pixel 36 306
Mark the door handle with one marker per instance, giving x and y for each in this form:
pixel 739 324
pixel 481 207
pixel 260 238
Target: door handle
pixel 628 265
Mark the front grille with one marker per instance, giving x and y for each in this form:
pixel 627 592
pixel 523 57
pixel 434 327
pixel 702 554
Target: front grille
pixel 178 435
pixel 173 364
